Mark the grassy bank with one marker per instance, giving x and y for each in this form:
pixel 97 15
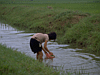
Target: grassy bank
pixel 16 63
pixel 78 28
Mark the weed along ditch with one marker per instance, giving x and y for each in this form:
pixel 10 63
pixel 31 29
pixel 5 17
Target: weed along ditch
pixel 66 59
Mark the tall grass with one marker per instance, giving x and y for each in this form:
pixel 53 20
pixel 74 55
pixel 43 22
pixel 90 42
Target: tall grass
pixel 85 34
pixel 74 27
pixel 16 63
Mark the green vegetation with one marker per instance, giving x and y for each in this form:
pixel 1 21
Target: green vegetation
pixel 48 1
pixel 13 62
pixel 16 63
pixel 90 6
pixel 76 23
pixel 85 34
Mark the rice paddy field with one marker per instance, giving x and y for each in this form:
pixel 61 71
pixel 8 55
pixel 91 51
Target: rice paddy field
pixel 90 6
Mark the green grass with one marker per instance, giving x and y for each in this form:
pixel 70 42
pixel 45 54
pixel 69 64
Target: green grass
pixel 13 62
pixel 90 6
pixel 16 63
pixel 76 23
pixel 84 7
pixel 49 1
pixel 85 34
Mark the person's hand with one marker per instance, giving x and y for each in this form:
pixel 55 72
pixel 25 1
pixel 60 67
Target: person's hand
pixel 51 53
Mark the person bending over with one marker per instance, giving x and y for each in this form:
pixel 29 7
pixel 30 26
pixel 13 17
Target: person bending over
pixel 36 43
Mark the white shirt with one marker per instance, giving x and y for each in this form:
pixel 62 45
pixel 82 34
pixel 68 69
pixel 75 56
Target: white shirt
pixel 41 37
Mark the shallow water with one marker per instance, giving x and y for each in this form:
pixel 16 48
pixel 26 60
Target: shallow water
pixel 66 58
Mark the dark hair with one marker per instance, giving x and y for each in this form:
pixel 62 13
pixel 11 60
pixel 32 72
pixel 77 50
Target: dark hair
pixel 52 36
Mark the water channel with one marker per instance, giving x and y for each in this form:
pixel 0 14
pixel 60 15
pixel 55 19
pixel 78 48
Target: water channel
pixel 66 58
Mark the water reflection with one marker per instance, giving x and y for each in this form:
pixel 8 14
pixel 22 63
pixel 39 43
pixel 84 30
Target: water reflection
pixel 6 27
pixel 65 57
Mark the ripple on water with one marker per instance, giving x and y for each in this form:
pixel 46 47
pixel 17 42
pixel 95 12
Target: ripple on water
pixel 66 58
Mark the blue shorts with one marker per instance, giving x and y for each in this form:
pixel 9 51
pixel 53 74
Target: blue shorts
pixel 34 45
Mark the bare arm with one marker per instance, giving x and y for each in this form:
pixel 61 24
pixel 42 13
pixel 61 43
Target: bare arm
pixel 44 50
pixel 45 47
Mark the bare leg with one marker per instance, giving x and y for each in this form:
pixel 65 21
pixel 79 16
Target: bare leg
pixel 40 56
pixel 37 55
